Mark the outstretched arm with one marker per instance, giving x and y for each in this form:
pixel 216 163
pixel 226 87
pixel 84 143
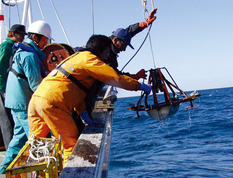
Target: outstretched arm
pixel 150 19
pixel 138 27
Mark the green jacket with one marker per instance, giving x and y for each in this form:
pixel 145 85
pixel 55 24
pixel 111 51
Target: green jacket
pixel 5 55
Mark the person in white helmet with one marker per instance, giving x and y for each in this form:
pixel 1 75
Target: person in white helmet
pixel 25 75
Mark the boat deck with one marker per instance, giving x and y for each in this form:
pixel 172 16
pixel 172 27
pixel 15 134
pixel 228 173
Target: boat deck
pixel 91 153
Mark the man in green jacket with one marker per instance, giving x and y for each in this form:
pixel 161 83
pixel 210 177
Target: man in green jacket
pixel 16 34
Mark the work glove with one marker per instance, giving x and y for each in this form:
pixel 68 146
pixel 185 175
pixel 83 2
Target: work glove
pixel 86 118
pixel 145 87
pixel 150 19
pixel 140 74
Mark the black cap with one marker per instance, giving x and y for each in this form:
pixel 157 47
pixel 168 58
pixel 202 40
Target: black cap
pixel 18 28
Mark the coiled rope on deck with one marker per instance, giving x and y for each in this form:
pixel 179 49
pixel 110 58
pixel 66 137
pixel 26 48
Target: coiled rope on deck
pixel 41 150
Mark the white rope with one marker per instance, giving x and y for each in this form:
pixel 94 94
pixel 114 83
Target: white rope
pixel 40 150
pixel 152 53
pixel 152 3
pixel 41 11
pixel 60 22
pixel 144 12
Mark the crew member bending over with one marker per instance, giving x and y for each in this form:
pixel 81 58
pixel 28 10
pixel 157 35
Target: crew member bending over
pixel 52 103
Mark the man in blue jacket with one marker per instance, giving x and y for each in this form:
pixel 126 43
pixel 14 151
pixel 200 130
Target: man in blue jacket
pixel 24 77
pixel 121 38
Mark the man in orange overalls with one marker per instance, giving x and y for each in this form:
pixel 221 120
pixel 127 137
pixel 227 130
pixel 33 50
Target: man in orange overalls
pixel 52 103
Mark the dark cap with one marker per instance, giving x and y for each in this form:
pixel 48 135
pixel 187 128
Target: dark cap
pixel 18 28
pixel 124 35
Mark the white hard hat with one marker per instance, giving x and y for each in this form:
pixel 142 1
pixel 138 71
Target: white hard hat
pixel 40 27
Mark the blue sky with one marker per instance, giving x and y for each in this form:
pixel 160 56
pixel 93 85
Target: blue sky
pixel 193 39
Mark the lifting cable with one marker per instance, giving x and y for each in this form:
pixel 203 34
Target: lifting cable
pixel 145 10
pixel 144 2
pixel 138 49
pixel 148 34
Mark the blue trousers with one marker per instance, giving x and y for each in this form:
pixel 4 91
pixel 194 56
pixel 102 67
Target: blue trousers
pixel 20 137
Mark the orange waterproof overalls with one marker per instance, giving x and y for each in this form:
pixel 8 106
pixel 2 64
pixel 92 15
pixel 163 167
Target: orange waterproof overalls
pixel 52 103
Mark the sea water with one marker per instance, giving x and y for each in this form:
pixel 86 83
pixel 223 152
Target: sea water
pixel 191 143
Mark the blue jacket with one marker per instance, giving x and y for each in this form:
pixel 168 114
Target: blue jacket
pixel 26 61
